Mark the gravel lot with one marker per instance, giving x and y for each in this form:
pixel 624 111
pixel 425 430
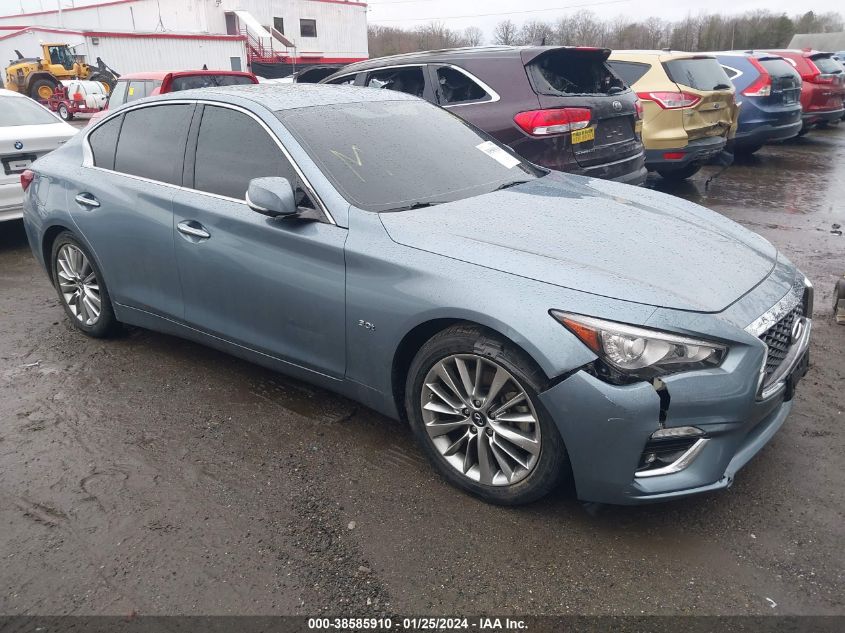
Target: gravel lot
pixel 151 475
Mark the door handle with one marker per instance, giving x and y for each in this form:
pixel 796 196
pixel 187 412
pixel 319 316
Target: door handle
pixel 87 200
pixel 193 229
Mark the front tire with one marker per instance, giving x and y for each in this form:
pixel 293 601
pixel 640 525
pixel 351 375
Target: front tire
pixel 471 398
pixel 81 289
pixel 679 174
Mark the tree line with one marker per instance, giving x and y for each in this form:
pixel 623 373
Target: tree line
pixel 704 32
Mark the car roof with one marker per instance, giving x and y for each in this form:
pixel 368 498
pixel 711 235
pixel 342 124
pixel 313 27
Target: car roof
pixel 747 54
pixel 803 52
pixel 277 97
pixel 10 93
pixel 457 54
pixel 161 74
pixel 663 55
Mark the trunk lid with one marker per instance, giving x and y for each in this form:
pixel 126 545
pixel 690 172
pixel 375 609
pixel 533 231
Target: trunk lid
pixel 716 111
pixel 34 142
pixel 565 77
pixel 786 82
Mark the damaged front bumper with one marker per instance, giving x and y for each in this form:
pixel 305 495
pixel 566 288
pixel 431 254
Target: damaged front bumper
pixel 718 419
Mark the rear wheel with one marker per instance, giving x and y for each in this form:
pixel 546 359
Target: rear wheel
pixel 81 289
pixel 66 114
pixel 679 174
pixel 472 401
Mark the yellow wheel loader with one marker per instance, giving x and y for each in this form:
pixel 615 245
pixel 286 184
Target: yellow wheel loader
pixel 38 77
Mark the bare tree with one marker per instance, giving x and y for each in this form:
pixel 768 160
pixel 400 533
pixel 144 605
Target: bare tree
pixel 473 36
pixel 505 33
pixel 536 33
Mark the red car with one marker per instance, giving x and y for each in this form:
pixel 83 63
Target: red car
pixel 135 86
pixel 823 87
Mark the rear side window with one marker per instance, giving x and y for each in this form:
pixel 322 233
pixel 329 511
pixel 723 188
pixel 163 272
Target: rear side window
pixel 152 142
pixel 630 72
pixel 103 141
pixel 703 73
pixel 222 167
pixel 565 72
pixel 118 95
pixel 826 64
pixel 208 81
pixel 730 72
pixel 409 79
pixel 456 87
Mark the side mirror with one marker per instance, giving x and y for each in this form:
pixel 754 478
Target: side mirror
pixel 271 196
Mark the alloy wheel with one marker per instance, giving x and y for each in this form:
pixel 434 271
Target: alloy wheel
pixel 78 284
pixel 480 419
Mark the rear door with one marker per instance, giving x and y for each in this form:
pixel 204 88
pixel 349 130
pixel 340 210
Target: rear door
pixel 716 112
pixel 411 79
pixel 581 78
pixel 126 192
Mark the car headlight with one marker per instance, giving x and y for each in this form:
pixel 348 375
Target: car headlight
pixel 640 352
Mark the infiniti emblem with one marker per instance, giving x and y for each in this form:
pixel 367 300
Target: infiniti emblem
pixel 18 145
pixel 797 330
pixel 617 105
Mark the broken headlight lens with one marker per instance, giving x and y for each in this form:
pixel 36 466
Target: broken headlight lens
pixel 641 352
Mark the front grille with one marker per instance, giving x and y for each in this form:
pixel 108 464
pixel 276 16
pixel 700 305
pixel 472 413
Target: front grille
pixel 778 338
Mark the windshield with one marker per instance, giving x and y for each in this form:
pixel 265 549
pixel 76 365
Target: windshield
pixel 208 81
pixel 703 73
pixel 395 155
pixel 23 111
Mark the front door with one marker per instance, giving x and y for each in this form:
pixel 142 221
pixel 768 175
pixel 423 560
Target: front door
pixel 276 286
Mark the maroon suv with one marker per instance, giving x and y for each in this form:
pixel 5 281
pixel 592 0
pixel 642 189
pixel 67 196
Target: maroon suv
pixel 822 88
pixel 559 107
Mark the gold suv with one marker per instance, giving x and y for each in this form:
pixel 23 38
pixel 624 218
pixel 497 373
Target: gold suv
pixel 689 109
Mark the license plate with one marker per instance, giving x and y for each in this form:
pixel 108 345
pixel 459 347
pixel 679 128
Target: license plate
pixel 19 165
pixel 582 136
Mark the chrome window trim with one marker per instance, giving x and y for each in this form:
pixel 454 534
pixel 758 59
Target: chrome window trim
pixel 679 464
pixel 494 96
pixel 88 153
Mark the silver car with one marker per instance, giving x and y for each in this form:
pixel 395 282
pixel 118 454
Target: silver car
pixel 531 326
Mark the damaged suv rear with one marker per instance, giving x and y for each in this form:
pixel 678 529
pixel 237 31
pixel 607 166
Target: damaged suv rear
pixel 558 107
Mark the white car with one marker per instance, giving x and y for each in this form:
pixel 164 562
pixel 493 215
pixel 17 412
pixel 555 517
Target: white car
pixel 28 130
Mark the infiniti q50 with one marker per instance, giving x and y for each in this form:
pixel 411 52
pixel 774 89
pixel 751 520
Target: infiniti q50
pixel 531 326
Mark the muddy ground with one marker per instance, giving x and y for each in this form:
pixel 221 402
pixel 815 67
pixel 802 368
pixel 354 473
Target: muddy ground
pixel 147 474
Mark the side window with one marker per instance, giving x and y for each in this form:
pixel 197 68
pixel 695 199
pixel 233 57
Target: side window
pixel 346 80
pixel 455 87
pixel 137 90
pixel 103 141
pixel 279 25
pixel 730 72
pixel 152 142
pixel 222 167
pixel 308 28
pixel 118 95
pixel 629 72
pixel 409 79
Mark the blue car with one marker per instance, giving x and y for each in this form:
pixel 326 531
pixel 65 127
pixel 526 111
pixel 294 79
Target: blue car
pixel 529 325
pixel 769 89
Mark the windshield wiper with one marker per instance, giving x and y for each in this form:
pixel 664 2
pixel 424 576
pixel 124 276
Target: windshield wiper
pixel 412 206
pixel 511 183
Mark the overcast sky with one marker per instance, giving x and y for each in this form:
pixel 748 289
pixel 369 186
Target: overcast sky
pixel 458 14
pixel 409 13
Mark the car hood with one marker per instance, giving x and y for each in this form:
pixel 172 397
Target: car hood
pixel 598 237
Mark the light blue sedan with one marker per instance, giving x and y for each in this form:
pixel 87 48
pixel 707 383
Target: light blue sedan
pixel 531 326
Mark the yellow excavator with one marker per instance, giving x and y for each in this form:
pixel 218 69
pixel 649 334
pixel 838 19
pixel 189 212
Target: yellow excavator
pixel 39 77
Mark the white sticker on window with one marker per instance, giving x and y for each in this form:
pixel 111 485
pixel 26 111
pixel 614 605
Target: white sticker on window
pixel 498 154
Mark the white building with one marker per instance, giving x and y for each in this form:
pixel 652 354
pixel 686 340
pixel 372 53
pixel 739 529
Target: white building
pixel 146 35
